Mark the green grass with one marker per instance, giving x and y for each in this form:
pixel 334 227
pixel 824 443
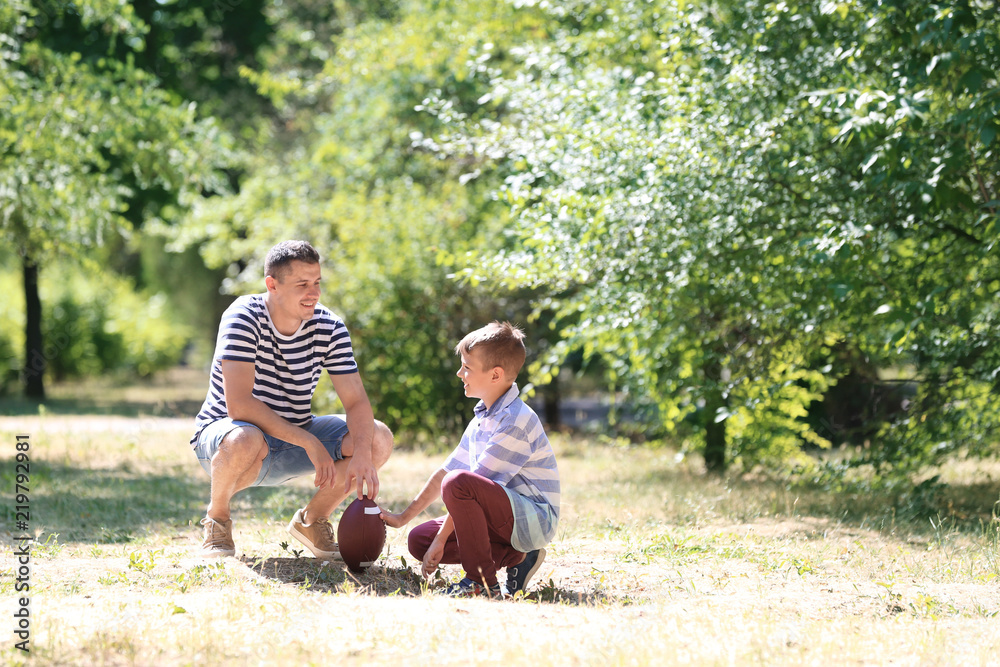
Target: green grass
pixel 654 563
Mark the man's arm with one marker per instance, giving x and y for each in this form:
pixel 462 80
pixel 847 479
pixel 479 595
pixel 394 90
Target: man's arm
pixel 427 495
pixel 361 427
pixel 237 384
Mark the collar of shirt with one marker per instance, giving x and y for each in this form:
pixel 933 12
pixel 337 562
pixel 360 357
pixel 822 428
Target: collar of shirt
pixel 500 404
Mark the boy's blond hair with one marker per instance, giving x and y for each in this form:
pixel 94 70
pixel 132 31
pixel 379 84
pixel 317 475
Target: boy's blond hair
pixel 497 344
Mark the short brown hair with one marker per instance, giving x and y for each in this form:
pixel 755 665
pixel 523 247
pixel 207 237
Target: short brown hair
pixel 498 344
pixel 280 257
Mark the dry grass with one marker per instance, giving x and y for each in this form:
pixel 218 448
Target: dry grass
pixel 654 563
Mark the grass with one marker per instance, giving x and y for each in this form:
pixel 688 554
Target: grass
pixel 654 563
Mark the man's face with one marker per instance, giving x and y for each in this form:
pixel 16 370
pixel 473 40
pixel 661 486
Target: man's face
pixel 297 292
pixel 475 378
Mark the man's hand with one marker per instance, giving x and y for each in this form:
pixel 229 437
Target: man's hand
pixel 323 462
pixel 363 472
pixel 361 429
pixel 432 558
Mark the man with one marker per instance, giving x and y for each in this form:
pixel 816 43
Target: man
pixel 256 427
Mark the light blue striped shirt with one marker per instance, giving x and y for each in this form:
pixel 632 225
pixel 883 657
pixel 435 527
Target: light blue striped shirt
pixel 508 445
pixel 286 368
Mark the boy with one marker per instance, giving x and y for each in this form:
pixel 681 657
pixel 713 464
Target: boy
pixel 500 485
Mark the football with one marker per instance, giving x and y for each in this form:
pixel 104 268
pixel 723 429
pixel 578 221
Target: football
pixel 361 534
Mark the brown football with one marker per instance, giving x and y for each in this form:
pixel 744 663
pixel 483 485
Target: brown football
pixel 361 534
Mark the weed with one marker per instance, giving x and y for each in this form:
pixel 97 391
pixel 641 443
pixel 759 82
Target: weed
pixel 981 611
pixel 892 599
pixel 297 553
pixel 113 579
pixel 50 548
pixel 664 546
pixel 143 563
pixel 801 566
pixel 928 606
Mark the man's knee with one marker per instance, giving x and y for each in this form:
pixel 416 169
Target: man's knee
pixel 242 443
pixel 382 443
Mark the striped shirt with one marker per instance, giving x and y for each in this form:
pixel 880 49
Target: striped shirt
pixel 286 368
pixel 507 444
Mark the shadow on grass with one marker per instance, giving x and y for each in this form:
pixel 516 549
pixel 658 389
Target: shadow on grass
pixel 95 405
pixel 922 510
pixel 177 392
pixel 109 505
pixel 386 581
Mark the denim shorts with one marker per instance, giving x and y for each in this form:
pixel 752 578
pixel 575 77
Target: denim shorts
pixel 284 461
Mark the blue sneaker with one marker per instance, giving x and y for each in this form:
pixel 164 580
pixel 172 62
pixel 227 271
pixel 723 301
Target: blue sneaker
pixel 519 575
pixel 468 588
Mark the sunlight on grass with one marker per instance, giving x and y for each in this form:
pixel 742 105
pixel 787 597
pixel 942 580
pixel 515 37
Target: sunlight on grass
pixel 654 563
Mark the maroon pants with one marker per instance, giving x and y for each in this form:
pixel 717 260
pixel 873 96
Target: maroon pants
pixel 484 522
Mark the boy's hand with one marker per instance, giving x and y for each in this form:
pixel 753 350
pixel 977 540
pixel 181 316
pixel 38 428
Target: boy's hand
pixel 432 559
pixel 393 520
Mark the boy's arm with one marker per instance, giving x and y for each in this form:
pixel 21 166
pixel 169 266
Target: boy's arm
pixel 427 495
pixel 436 550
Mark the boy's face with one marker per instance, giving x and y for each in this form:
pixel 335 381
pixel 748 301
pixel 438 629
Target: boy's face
pixel 477 380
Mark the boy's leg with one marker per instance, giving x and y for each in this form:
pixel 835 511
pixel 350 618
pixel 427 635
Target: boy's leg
pixel 420 538
pixel 484 522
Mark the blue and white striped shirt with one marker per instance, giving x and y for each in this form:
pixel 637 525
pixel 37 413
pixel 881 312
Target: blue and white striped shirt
pixel 286 368
pixel 508 445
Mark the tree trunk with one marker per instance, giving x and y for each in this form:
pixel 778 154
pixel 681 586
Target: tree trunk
pixel 34 357
pixel 552 394
pixel 715 431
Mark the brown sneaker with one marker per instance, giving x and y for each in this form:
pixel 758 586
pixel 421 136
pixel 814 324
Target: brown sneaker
pixel 218 538
pixel 318 536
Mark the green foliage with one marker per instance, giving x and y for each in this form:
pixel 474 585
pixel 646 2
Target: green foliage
pixel 717 192
pixel 96 324
pixel 348 172
pixel 727 207
pixel 8 365
pixel 79 137
pixel 91 148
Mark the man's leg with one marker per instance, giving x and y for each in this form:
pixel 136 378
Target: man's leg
pixel 231 453
pixel 326 500
pixel 310 525
pixel 235 467
pixel 484 522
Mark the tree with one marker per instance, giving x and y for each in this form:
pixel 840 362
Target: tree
pixel 79 139
pixel 918 110
pixel 633 205
pixel 685 174
pixel 347 171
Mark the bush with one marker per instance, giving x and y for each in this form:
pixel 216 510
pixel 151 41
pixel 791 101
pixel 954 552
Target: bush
pixel 98 323
pixel 92 323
